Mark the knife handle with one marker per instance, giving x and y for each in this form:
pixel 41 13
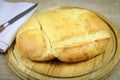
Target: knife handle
pixel 2 28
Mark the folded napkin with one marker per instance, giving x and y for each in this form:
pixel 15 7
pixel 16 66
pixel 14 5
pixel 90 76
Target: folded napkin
pixel 8 10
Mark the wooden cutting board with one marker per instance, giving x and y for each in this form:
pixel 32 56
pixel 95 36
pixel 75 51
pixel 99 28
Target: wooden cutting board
pixel 95 68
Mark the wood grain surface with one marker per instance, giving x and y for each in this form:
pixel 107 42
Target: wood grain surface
pixel 108 8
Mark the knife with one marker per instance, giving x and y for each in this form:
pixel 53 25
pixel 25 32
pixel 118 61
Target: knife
pixel 11 21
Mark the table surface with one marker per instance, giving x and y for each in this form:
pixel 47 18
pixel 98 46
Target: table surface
pixel 109 8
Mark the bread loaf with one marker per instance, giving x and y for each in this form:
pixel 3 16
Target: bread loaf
pixel 70 35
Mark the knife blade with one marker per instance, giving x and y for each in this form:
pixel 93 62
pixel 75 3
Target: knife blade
pixel 11 21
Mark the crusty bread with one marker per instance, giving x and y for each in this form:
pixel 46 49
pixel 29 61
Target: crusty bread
pixel 32 42
pixel 69 35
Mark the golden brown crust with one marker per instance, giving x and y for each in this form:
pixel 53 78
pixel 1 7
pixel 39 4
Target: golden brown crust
pixel 81 52
pixel 94 25
pixel 70 35
pixel 63 24
pixel 32 43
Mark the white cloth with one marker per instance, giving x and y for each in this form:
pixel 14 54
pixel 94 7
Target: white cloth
pixel 8 10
